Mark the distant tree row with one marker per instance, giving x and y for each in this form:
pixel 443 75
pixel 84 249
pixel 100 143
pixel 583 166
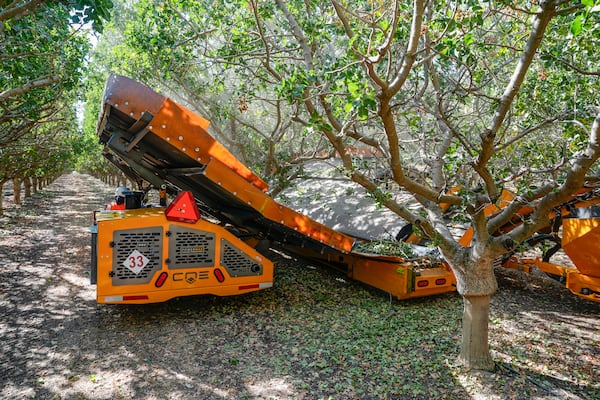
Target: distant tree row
pixel 43 49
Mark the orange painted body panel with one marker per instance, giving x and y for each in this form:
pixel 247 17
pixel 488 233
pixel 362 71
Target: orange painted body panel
pixel 179 281
pixel 131 97
pixel 399 277
pixel 187 132
pixel 580 284
pixel 432 276
pixel 391 274
pixel 581 240
pixel 260 201
pixel 577 283
pixel 173 122
pixel 381 274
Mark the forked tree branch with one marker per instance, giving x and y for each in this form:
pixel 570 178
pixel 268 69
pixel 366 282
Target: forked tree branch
pixel 488 137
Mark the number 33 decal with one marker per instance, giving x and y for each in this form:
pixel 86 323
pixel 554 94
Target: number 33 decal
pixel 136 261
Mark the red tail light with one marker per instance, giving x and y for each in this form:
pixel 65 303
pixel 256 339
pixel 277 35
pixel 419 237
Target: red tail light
pixel 440 281
pixel 219 275
pixel 422 283
pixel 246 287
pixel 162 278
pixel 131 298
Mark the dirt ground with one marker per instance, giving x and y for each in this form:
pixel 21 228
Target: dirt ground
pixel 314 335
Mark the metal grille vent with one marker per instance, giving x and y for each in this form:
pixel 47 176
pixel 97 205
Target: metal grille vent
pixel 139 247
pixel 238 263
pixel 190 248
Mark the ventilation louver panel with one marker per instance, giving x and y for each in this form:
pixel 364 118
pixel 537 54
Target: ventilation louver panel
pixel 137 254
pixel 236 262
pixel 190 248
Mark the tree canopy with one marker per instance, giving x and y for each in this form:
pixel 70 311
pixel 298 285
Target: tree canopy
pixel 43 48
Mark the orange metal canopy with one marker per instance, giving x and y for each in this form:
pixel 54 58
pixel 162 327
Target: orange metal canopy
pixel 174 123
pixel 181 138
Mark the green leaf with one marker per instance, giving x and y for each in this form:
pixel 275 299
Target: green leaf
pixel 576 25
pixel 348 107
pixel 353 88
pixel 469 39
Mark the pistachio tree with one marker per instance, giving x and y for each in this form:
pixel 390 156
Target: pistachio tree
pixel 480 96
pixel 43 46
pixel 41 59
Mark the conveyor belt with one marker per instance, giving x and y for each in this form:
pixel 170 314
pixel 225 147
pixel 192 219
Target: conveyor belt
pixel 151 137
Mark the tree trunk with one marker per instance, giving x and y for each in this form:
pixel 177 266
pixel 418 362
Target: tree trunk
pixel 476 283
pixel 27 182
pixel 475 352
pixel 1 197
pixel 17 190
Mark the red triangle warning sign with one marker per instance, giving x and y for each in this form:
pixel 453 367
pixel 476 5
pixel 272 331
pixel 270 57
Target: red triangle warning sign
pixel 183 209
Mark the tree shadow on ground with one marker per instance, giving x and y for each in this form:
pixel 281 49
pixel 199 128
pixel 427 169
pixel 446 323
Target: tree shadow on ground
pixel 313 335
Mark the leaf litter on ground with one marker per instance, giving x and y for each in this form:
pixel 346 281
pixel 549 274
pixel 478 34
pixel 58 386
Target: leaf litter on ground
pixel 314 335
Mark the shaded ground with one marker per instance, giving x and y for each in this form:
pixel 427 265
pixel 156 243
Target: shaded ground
pixel 314 335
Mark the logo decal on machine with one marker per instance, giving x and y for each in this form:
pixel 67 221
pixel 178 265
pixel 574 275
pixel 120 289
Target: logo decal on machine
pixel 136 262
pixel 189 277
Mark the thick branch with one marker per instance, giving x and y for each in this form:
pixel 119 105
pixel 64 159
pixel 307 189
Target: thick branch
pixel 34 84
pixel 411 50
pixel 508 213
pixel 297 31
pixel 575 180
pixel 488 137
pixel 11 11
pixel 387 118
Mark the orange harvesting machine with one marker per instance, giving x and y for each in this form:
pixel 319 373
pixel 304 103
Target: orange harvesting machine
pixel 205 241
